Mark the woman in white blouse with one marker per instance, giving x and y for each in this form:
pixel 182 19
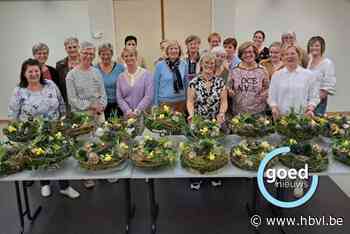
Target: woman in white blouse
pixel 293 87
pixel 324 70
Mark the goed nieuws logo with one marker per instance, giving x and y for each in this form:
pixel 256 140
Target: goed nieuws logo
pixel 282 174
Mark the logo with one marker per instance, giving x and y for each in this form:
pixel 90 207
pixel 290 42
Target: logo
pixel 273 174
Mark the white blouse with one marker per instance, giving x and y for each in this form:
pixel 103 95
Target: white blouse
pixel 325 72
pixel 297 89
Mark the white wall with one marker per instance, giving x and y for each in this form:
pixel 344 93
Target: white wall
pixel 327 18
pixel 24 23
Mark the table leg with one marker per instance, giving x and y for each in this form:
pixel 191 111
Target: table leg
pixel 28 212
pixel 130 207
pixel 19 207
pixel 154 206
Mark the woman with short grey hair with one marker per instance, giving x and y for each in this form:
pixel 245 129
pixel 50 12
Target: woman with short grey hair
pixel 41 53
pixel 85 88
pixel 110 71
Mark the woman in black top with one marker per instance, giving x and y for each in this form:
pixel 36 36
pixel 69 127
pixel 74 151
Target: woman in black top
pixel 258 39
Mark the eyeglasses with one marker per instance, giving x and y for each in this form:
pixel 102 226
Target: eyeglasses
pixel 88 54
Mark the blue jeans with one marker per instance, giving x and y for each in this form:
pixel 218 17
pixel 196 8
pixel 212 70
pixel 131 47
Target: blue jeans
pixel 321 107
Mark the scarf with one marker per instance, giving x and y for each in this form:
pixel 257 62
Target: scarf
pixel 177 79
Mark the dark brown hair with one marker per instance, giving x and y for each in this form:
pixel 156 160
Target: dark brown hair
pixel 261 32
pixel 23 82
pixel 231 41
pixel 315 39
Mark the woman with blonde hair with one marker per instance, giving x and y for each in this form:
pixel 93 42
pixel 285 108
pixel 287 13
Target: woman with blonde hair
pixel 170 79
pixel 274 63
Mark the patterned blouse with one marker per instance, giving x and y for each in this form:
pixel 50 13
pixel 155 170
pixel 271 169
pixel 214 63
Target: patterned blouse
pixel 207 102
pixel 251 89
pixel 47 103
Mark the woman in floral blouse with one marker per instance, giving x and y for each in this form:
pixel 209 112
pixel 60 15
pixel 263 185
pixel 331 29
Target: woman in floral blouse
pixel 36 96
pixel 207 97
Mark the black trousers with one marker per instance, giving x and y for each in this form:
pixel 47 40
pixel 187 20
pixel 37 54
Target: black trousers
pixel 112 109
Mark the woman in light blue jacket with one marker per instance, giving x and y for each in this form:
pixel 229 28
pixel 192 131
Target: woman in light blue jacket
pixel 170 79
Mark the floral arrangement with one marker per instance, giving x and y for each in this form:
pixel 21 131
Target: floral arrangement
pixel 165 121
pixel 120 128
pixel 153 153
pixel 22 131
pixel 205 155
pixel 336 126
pixel 341 150
pixel 305 153
pixel 74 124
pixel 201 128
pixel 47 151
pixel 251 125
pixel 100 155
pixel 12 159
pixel 299 127
pixel 248 154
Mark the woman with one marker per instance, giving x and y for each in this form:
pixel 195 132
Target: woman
pixel 130 42
pixel 221 62
pixel 214 39
pixel 207 97
pixel 274 63
pixel 85 89
pixel 290 38
pixel 36 96
pixel 41 54
pixel 192 57
pixel 248 83
pixel 110 72
pixel 293 87
pixel 71 45
pixel 263 52
pixel 324 69
pixel 230 45
pixel 134 86
pixel 162 46
pixel 170 79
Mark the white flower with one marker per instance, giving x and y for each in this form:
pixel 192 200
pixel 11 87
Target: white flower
pixel 99 132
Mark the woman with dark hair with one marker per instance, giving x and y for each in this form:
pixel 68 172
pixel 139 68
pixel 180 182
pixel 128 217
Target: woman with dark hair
pixel 192 56
pixel 263 52
pixel 324 69
pixel 36 96
pixel 130 42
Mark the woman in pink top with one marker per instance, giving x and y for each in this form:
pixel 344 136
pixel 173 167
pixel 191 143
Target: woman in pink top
pixel 248 82
pixel 134 86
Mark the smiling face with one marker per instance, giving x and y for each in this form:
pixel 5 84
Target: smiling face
pixel 316 49
pixel 258 39
pixel 41 56
pixel 72 49
pixel 214 41
pixel 275 53
pixel 230 50
pixel 129 58
pixel 221 57
pixel 106 56
pixel 193 47
pixel 208 66
pixel 131 44
pixel 248 55
pixel 291 57
pixel 32 74
pixel 87 56
pixel 173 52
pixel 288 39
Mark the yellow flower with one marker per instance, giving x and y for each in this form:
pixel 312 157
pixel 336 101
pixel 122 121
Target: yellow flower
pixel 292 141
pixel 161 116
pixel 235 121
pixel 211 156
pixel 345 143
pixel 237 152
pixel 213 120
pixel 107 158
pixel 59 135
pixel 38 151
pixel 182 146
pixel 147 138
pixel 151 155
pixel 74 125
pixel 124 146
pixel 131 121
pixel 316 148
pixel 322 121
pixel 265 145
pixel 204 130
pixel 283 122
pixel 166 108
pixel 12 128
pixel 313 123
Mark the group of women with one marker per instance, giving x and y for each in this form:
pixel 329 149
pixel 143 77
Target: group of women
pixel 218 82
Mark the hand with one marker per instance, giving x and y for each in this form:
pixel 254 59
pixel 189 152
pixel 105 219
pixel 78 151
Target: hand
pixel 310 113
pixel 231 93
pixel 130 114
pixel 275 113
pixel 220 118
pixel 323 94
pixel 189 119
